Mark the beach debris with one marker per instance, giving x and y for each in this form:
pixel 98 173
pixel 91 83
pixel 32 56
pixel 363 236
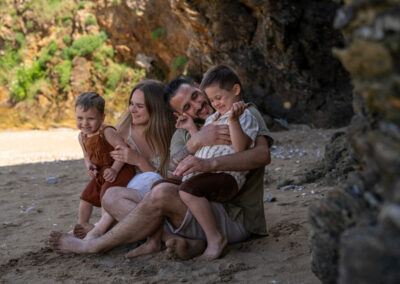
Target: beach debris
pixel 51 180
pixel 270 198
pixel 286 187
pixel 33 207
pixel 3 246
pixel 312 192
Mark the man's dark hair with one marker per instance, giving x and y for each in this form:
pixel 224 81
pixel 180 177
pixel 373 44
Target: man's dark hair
pixel 223 76
pixel 91 99
pixel 172 88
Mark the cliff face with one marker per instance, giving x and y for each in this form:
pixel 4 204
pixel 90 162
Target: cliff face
pixel 355 230
pixel 281 50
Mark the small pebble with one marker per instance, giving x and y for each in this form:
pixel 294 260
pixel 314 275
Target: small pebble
pixel 33 207
pixel 270 198
pixel 51 180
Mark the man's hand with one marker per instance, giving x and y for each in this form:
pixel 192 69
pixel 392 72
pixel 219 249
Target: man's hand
pixel 210 134
pixel 237 110
pixel 110 174
pixel 186 122
pixel 192 164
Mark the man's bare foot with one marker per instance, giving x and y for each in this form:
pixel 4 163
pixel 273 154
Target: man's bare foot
pixel 65 243
pixel 80 230
pixel 214 249
pixel 181 248
pixel 147 248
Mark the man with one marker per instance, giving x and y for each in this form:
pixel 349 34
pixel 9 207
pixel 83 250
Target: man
pixel 245 211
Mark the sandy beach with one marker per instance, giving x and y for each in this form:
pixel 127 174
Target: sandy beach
pixel 31 207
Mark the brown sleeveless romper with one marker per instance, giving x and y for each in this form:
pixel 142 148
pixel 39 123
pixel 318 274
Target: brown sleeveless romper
pixel 98 151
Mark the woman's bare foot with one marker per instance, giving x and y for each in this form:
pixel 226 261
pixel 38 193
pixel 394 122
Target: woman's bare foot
pixel 80 230
pixel 146 248
pixel 180 248
pixel 214 249
pixel 65 243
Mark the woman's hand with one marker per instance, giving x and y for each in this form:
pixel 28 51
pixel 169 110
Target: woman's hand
pixel 110 174
pixel 128 155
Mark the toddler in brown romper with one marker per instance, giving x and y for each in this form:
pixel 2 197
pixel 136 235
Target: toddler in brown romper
pixel 97 141
pixel 98 151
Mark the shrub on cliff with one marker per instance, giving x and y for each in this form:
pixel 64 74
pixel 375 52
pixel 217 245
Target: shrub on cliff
pixel 84 46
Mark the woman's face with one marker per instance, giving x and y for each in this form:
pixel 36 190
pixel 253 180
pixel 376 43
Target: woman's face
pixel 137 107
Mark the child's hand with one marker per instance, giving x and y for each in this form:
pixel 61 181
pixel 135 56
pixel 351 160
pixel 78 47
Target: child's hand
pixel 184 121
pixel 110 174
pixel 92 171
pixel 237 110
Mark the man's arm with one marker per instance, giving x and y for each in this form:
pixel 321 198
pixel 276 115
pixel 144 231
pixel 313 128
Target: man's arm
pixel 208 135
pixel 256 157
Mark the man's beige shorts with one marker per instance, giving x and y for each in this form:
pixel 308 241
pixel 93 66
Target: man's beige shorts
pixel 234 231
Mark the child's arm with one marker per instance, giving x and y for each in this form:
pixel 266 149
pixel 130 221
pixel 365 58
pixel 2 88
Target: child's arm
pixel 184 121
pixel 90 167
pixel 240 140
pixel 114 139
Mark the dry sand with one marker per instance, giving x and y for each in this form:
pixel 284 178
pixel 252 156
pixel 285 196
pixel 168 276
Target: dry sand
pixel 31 207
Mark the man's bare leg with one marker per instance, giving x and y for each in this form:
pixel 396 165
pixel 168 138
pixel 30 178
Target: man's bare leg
pixel 201 210
pixel 152 245
pixel 119 201
pixel 140 223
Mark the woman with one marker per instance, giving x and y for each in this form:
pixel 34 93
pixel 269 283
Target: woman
pixel 147 128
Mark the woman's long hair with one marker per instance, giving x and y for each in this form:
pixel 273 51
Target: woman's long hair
pixel 159 129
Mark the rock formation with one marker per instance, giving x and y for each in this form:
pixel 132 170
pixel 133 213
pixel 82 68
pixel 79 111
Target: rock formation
pixel 355 230
pixel 281 49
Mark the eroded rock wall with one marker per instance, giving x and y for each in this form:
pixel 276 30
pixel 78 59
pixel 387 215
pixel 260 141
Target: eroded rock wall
pixel 355 230
pixel 282 50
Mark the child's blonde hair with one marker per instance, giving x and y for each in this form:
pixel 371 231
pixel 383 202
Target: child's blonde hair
pixel 159 129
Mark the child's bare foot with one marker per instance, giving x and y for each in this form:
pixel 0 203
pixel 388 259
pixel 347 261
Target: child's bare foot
pixel 214 249
pixel 80 230
pixel 146 248
pixel 180 248
pixel 65 243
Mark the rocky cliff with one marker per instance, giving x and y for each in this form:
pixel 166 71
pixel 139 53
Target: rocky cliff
pixel 282 50
pixel 355 230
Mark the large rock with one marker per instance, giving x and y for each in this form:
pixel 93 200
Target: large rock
pixel 282 50
pixel 367 249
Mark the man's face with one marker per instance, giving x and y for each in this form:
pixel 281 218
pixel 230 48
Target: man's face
pixel 191 101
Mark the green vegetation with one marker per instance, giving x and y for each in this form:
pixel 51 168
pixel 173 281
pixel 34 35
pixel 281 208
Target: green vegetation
pixel 20 38
pixel 114 74
pixel 179 62
pixel 39 79
pixel 160 32
pixel 47 54
pixel 90 20
pixel 84 45
pixel 8 61
pixel 24 79
pixel 63 71
pixel 81 5
pixel 67 39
